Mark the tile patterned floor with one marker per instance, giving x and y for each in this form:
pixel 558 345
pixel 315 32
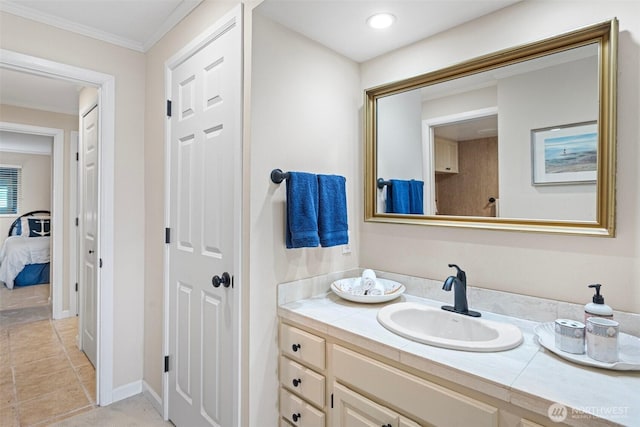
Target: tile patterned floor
pixel 24 296
pixel 44 378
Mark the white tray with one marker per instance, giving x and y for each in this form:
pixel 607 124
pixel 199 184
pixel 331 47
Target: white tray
pixel 392 291
pixel 628 350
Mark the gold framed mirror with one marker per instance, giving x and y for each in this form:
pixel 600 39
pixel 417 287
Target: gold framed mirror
pixel 523 139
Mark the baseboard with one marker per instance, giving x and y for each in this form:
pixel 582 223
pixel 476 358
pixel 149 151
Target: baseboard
pixel 154 398
pixel 126 390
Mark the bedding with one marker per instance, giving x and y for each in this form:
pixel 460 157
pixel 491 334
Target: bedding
pixel 25 255
pixel 20 251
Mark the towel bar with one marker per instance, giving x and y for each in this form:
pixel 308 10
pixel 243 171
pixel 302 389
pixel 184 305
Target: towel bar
pixel 277 176
pixel 381 183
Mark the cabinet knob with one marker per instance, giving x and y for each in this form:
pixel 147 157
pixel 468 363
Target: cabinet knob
pixel 296 347
pixel 387 425
pixel 296 417
pixel 297 382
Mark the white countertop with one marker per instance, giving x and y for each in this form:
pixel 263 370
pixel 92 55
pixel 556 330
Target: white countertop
pixel 528 376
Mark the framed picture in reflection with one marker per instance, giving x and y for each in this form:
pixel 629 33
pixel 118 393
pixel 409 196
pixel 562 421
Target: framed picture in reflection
pixel 566 154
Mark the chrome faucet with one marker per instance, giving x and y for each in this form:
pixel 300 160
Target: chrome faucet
pixel 459 283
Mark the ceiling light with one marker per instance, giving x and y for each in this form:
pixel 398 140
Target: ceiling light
pixel 381 20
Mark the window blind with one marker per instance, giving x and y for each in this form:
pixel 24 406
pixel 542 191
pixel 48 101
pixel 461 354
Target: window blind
pixel 10 189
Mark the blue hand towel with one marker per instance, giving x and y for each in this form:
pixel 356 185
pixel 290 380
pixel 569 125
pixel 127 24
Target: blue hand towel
pixel 332 214
pixel 302 210
pixel 416 206
pixel 398 197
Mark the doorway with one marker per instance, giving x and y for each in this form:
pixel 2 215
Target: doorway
pixel 106 87
pixel 203 143
pixel 461 164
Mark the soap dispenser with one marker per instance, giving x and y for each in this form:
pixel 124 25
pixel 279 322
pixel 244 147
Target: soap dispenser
pixel 597 308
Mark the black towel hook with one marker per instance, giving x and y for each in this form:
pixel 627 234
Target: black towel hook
pixel 277 176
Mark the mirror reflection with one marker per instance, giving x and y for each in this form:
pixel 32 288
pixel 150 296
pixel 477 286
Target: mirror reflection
pixel 518 141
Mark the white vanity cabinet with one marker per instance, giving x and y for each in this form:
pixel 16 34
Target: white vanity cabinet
pixel 302 380
pixel 446 156
pixel 326 382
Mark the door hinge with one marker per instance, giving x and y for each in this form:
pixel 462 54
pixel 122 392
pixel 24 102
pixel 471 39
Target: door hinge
pixel 167 235
pixel 331 400
pixel 100 263
pixel 77 221
pixel 168 108
pixel 77 156
pixel 166 363
pixel 76 287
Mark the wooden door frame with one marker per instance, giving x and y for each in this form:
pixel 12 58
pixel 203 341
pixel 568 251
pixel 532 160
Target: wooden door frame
pixel 106 89
pixel 233 17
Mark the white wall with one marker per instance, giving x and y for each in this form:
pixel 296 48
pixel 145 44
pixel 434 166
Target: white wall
pixel 304 110
pixel 399 139
pixel 460 103
pixel 400 136
pixel 550 266
pixel 35 182
pixel 128 68
pixel 545 92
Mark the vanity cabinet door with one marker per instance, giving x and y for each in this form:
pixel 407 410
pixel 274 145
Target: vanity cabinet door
pixel 353 410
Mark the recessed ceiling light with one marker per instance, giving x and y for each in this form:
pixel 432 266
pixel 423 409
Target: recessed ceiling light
pixel 381 20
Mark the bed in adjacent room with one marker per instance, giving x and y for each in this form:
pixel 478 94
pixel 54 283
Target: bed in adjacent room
pixel 25 255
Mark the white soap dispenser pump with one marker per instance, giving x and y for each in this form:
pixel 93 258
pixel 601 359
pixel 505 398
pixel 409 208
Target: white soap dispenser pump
pixel 597 308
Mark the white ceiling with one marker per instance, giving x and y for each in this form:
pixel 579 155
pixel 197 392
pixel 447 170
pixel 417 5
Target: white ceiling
pixel 341 25
pixel 37 92
pixel 134 24
pixel 139 24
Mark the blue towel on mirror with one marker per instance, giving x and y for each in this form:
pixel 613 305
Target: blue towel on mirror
pixel 398 197
pixel 333 226
pixel 416 205
pixel 405 197
pixel 302 211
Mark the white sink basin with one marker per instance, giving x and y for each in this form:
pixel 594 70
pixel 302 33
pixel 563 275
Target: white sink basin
pixel 433 326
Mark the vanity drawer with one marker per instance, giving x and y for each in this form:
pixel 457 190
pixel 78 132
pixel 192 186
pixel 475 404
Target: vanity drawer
pixel 414 396
pixel 303 346
pixel 302 381
pixel 298 412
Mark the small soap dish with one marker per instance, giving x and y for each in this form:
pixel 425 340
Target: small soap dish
pixel 628 350
pixel 348 289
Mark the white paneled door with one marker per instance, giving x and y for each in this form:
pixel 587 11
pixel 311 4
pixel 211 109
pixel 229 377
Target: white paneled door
pixel 204 151
pixel 89 241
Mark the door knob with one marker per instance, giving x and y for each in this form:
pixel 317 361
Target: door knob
pixel 225 280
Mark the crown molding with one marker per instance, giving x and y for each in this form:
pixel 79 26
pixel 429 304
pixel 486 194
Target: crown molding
pixel 179 13
pixel 182 10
